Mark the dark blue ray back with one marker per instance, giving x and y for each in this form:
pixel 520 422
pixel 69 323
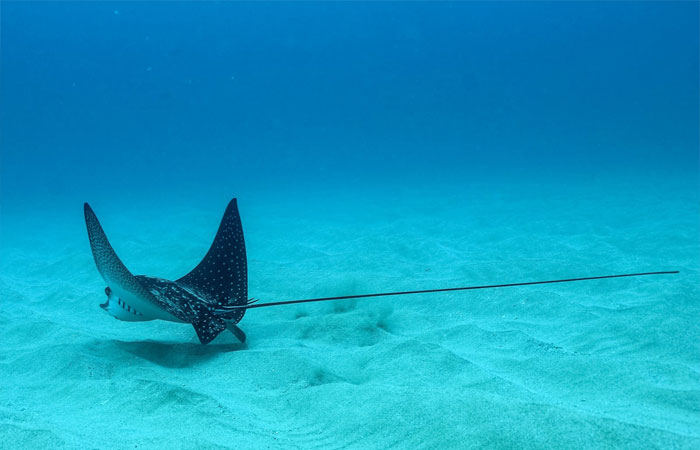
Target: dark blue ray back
pixel 222 276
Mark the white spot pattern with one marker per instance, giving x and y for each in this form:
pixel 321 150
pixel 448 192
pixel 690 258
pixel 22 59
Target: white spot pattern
pixel 208 280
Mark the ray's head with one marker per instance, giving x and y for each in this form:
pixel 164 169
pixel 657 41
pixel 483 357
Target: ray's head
pixel 105 305
pixel 119 309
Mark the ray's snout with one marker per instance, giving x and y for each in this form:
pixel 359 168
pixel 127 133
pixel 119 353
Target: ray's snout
pixel 105 305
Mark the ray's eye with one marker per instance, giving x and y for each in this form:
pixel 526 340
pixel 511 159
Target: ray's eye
pixel 108 291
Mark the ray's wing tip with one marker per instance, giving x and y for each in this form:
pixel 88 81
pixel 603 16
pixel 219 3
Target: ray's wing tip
pixel 231 208
pixel 89 213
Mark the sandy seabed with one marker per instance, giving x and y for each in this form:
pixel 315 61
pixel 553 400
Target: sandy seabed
pixel 601 364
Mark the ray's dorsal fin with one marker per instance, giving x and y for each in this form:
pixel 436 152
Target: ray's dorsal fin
pixel 222 276
pixel 113 271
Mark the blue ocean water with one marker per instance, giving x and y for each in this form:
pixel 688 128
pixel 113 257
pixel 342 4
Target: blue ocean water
pixel 372 146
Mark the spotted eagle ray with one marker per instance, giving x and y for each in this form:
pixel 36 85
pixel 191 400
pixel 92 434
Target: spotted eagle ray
pixel 219 280
pixel 214 295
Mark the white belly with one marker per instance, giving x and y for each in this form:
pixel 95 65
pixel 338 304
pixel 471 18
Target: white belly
pixel 123 305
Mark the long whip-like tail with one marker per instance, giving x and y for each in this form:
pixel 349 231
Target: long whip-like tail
pixel 252 305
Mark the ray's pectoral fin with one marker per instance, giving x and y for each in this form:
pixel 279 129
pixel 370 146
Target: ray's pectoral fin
pixel 222 275
pixel 233 328
pixel 111 268
pixel 207 325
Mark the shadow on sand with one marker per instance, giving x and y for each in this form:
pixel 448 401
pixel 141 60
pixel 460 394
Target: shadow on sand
pixel 176 354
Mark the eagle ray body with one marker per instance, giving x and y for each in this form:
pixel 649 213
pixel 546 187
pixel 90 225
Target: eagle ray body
pixel 219 281
pixel 214 295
